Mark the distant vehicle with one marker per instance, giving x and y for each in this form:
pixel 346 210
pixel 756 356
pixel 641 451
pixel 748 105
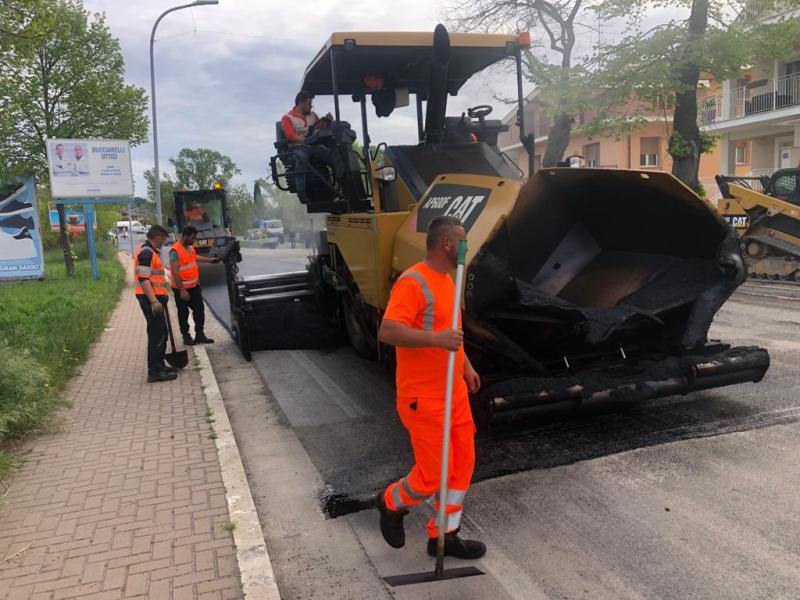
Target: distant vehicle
pixel 134 226
pixel 273 227
pixel 207 211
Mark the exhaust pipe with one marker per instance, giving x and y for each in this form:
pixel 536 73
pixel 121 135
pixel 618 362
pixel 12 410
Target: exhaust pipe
pixel 437 89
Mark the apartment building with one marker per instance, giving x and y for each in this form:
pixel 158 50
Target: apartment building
pixel 757 120
pixel 644 148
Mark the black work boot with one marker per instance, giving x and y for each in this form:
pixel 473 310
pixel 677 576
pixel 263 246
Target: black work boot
pixel 457 548
pixel 187 340
pixel 161 376
pixel 201 338
pixel 392 524
pixel 169 369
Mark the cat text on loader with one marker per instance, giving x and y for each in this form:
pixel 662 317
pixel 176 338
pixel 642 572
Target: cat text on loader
pixel 577 290
pixel 765 212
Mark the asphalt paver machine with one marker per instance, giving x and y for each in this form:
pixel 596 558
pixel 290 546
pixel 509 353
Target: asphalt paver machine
pixel 578 289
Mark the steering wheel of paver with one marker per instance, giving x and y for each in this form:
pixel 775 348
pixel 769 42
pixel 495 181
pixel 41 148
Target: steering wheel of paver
pixel 479 112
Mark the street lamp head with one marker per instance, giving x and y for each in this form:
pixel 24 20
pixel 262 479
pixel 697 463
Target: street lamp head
pixel 204 2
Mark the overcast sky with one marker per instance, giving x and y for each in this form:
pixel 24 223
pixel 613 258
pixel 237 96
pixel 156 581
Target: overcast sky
pixel 226 73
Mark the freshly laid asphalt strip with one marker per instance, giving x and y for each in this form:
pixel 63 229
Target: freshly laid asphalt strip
pixel 342 406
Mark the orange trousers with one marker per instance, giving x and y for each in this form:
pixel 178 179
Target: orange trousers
pixel 424 420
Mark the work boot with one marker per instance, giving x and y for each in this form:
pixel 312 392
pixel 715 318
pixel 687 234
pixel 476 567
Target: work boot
pixel 187 340
pixel 457 548
pixel 161 376
pixel 201 338
pixel 392 524
pixel 168 369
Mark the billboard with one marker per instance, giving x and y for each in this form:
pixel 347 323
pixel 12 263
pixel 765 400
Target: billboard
pixel 89 168
pixel 76 221
pixel 20 238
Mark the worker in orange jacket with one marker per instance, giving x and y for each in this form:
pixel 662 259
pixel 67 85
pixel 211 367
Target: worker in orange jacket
pixel 417 322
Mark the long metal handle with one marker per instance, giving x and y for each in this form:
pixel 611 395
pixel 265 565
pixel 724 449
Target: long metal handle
pixel 169 329
pixel 441 517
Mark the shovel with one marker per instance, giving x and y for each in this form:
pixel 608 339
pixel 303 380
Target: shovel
pixel 175 359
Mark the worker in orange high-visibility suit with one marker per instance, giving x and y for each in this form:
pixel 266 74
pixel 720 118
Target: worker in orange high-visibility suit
pixel 418 323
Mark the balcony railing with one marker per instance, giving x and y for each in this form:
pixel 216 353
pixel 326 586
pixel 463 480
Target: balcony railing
pixel 757 97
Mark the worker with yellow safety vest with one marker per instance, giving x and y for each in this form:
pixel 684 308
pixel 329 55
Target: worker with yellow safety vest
pixel 185 279
pixel 150 281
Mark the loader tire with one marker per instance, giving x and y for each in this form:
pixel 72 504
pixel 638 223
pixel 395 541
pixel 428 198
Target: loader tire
pixel 361 340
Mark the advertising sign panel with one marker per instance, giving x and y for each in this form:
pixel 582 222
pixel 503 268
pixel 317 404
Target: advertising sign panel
pixel 20 238
pixel 89 168
pixel 75 218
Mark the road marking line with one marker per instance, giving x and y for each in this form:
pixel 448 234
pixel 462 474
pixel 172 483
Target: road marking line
pixel 348 406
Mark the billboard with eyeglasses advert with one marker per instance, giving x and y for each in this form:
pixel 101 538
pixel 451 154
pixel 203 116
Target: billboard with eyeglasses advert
pixel 89 168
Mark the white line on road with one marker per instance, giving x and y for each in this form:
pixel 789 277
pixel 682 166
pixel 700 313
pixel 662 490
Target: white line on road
pixel 348 406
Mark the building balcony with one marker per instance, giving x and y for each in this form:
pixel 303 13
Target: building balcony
pixel 755 98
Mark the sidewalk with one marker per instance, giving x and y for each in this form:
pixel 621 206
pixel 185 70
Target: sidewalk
pixel 127 499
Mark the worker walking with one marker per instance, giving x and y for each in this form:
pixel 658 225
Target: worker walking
pixel 417 322
pixel 151 291
pixel 185 279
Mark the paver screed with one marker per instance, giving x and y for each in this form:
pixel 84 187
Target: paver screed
pixel 125 499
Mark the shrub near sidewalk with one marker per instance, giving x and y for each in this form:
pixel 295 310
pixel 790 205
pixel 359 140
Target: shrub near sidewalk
pixel 46 330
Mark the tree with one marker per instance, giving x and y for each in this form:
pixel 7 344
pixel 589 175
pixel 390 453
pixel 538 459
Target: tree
pixel 286 207
pixel 168 187
pixel 664 64
pixel 198 169
pixel 61 75
pixel 241 209
pixel 69 84
pixel 556 82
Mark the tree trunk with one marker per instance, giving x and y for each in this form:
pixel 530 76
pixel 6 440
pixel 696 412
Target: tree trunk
pixel 557 140
pixel 64 237
pixel 686 165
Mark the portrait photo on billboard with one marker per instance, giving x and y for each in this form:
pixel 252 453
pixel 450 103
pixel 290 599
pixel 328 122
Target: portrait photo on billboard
pixel 69 159
pixel 20 239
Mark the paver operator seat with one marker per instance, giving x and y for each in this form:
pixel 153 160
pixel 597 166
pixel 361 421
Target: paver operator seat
pixel 329 190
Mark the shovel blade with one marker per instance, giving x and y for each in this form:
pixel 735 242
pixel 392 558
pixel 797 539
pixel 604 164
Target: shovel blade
pixel 429 576
pixel 177 359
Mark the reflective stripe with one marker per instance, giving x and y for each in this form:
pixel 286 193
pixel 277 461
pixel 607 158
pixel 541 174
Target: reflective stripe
pixel 453 521
pixel 398 502
pixel 190 282
pixel 410 492
pixel 191 265
pixel 155 271
pixel 427 315
pixel 144 271
pixel 456 497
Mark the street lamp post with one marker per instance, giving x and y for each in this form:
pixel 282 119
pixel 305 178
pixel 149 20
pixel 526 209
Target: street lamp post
pixel 153 98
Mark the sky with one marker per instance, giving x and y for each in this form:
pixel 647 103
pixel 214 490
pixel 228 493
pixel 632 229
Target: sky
pixel 225 74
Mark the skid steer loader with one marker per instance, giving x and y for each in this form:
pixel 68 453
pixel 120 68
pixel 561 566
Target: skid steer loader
pixel 577 290
pixel 765 213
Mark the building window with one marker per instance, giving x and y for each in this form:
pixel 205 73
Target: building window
pixel 591 154
pixel 741 153
pixel 648 152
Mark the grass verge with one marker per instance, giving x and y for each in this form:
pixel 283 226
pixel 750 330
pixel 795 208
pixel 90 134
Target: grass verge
pixel 46 330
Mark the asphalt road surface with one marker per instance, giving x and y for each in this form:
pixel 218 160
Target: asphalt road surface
pixel 682 497
pixel 342 406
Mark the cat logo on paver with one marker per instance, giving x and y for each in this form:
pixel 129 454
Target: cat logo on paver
pixel 465 202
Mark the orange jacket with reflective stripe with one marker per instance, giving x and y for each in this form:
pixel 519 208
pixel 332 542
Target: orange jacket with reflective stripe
pixel 423 298
pixel 155 273
pixel 188 270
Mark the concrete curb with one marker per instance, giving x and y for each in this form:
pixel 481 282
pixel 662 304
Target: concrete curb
pixel 255 568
